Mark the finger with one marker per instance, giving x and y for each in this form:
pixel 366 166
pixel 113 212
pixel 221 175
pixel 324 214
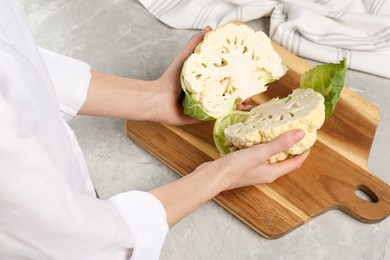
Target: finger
pixel 246 101
pixel 239 106
pixel 192 43
pixel 207 29
pixel 283 142
pixel 276 170
pixel 244 104
pixel 260 153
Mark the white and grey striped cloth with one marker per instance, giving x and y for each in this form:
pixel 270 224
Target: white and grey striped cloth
pixel 323 30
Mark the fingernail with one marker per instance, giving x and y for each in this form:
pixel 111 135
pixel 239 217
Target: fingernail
pixel 299 134
pixel 207 28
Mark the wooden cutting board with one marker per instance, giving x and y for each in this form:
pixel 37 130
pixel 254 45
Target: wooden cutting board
pixel 329 178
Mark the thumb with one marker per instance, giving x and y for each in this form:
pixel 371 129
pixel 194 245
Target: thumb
pixel 191 45
pixel 194 41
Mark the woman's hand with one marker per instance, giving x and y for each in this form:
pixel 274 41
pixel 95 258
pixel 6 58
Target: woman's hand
pixel 134 99
pixel 250 166
pixel 157 101
pixel 238 169
pixel 169 86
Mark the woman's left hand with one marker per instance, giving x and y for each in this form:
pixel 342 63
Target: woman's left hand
pixel 170 109
pixel 157 101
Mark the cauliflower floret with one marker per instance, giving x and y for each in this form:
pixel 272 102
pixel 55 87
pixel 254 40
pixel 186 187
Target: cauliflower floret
pixel 231 64
pixel 303 109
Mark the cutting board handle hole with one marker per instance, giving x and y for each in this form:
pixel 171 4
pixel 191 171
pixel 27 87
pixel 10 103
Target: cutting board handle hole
pixel 365 193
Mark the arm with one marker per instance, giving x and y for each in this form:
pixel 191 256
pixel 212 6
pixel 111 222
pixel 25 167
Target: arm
pixel 158 100
pixel 114 96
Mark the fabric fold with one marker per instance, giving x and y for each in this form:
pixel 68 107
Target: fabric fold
pixel 323 30
pixel 150 230
pixel 70 78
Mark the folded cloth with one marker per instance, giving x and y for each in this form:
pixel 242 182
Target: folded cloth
pixel 323 30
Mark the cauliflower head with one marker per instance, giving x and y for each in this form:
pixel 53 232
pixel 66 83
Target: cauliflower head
pixel 306 108
pixel 303 109
pixel 231 64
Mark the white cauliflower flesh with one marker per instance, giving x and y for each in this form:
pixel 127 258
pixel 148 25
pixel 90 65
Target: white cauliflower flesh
pixel 231 64
pixel 303 109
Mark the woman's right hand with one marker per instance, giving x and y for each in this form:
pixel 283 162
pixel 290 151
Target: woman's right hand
pixel 241 168
pixel 250 166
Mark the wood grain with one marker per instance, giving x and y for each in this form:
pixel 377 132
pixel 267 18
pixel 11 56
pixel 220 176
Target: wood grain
pixel 335 169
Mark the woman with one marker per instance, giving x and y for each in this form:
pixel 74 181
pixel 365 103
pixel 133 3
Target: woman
pixel 48 205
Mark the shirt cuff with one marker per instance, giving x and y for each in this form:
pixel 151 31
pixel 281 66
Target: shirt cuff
pixel 70 78
pixel 146 217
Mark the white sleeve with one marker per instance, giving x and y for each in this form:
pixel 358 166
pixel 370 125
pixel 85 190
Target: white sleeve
pixel 70 78
pixel 146 217
pixel 43 214
pixel 141 211
pixel 43 218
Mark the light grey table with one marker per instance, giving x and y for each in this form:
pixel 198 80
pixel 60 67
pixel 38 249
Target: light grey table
pixel 122 38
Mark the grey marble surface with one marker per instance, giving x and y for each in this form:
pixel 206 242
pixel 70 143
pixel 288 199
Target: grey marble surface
pixel 122 38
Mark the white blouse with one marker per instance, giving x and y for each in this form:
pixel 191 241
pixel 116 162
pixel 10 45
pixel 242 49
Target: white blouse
pixel 48 208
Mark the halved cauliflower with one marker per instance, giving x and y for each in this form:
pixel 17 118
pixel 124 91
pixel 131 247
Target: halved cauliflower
pixel 303 109
pixel 231 64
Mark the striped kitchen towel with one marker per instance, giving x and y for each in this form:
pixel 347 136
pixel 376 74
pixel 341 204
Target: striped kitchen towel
pixel 323 30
